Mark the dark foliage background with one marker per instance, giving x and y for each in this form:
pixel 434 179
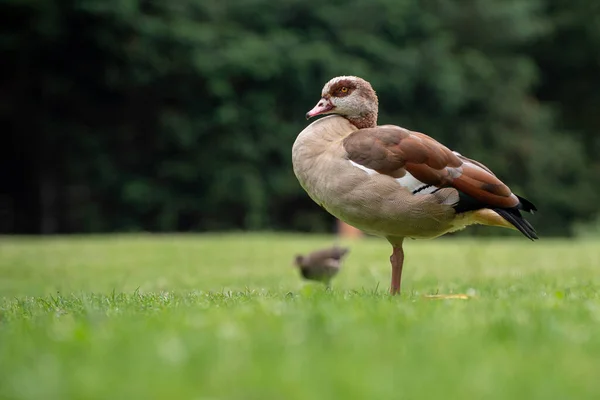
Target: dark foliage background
pixel 126 115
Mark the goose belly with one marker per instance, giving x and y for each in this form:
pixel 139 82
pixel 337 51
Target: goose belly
pixel 376 204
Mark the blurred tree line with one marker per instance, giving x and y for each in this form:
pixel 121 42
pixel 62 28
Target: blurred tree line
pixel 123 115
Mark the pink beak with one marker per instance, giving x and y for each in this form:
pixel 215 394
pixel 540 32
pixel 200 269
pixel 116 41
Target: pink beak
pixel 322 107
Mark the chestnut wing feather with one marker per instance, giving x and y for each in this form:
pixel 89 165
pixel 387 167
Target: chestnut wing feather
pixel 393 151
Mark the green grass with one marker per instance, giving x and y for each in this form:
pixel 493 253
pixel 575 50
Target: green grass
pixel 227 317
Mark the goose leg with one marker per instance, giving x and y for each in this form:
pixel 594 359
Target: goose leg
pixel 397 261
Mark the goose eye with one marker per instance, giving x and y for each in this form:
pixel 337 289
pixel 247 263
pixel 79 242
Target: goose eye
pixel 344 89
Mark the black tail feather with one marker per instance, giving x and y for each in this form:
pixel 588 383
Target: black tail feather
pixel 513 216
pixel 526 205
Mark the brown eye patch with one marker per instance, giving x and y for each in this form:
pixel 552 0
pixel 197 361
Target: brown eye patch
pixel 342 88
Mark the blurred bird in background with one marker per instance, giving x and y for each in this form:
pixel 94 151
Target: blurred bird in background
pixel 321 265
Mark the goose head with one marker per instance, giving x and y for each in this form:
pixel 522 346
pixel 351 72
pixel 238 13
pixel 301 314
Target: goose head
pixel 351 97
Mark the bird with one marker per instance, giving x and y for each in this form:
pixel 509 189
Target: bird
pixel 392 182
pixel 321 265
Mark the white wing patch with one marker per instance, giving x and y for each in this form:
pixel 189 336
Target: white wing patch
pixel 410 182
pixel 367 170
pixel 407 181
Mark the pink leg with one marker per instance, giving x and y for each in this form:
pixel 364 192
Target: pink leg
pixel 397 261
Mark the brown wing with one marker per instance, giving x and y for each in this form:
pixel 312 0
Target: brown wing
pixel 394 151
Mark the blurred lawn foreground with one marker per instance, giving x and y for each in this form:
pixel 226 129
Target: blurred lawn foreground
pixel 227 317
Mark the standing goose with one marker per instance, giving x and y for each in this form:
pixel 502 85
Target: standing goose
pixel 392 182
